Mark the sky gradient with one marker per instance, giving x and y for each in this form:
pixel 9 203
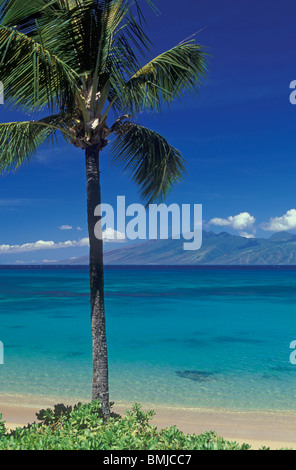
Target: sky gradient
pixel 237 136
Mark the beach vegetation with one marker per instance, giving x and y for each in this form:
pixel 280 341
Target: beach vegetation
pixel 82 427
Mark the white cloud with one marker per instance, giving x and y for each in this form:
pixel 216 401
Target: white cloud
pixel 283 223
pixel 238 222
pixel 65 227
pixel 79 229
pixel 42 245
pixel 32 261
pixel 109 235
pixel 247 235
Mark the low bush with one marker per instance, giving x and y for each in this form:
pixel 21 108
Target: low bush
pixel 82 428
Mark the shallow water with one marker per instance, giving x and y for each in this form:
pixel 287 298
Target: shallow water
pixel 197 337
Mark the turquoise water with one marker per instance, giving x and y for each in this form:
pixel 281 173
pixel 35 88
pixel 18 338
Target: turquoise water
pixel 205 338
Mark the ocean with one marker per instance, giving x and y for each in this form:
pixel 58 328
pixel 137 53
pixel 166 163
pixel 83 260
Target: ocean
pixel 200 337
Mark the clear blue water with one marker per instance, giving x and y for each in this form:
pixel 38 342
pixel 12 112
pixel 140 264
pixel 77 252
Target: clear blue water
pixel 196 337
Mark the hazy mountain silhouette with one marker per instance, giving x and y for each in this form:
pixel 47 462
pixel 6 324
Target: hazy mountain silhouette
pixel 217 249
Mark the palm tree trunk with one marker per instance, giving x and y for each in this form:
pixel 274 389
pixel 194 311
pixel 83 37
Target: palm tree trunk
pixel 100 387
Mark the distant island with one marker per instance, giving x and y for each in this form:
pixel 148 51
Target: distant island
pixel 217 249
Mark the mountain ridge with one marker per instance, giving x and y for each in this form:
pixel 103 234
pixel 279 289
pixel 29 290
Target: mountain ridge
pixel 217 249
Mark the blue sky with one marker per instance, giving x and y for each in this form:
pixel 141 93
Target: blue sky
pixel 237 136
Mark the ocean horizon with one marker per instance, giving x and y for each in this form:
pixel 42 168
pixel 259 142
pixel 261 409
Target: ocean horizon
pixel 185 336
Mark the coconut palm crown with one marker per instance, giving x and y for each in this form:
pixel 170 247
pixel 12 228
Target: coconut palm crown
pixel 80 63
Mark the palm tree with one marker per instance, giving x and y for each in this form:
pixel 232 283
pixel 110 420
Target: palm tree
pixel 78 61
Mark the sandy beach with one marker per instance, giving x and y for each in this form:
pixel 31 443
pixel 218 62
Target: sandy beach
pixel 272 429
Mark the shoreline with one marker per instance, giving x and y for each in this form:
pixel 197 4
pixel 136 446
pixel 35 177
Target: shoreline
pixel 274 429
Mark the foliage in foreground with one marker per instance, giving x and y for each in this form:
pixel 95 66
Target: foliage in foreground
pixel 83 428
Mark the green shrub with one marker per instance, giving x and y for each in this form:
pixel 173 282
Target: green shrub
pixel 82 428
pixel 2 427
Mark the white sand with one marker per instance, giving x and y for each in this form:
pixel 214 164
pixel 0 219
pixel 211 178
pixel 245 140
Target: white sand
pixel 272 429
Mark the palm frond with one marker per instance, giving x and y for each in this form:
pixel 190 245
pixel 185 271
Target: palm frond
pixel 49 47
pixel 121 35
pixel 32 75
pixel 20 13
pixel 19 141
pixel 163 79
pixel 149 160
